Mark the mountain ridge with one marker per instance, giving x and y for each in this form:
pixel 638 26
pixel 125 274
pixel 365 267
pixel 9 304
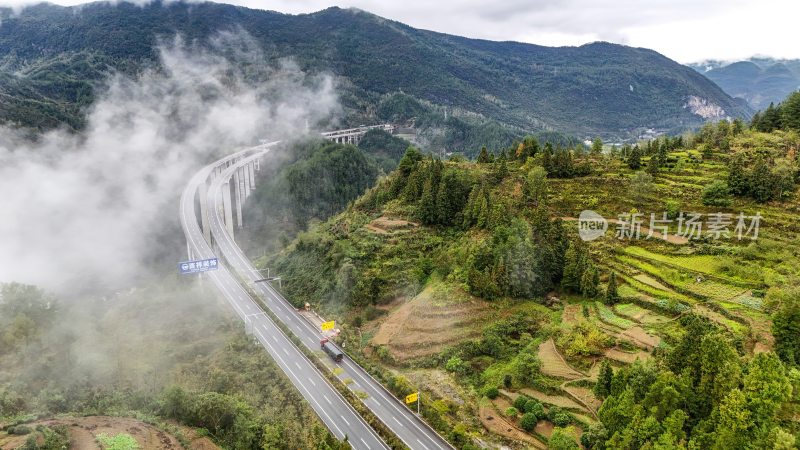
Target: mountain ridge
pixel 758 80
pixel 595 89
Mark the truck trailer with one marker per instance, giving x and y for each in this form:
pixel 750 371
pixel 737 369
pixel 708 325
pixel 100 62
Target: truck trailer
pixel 331 349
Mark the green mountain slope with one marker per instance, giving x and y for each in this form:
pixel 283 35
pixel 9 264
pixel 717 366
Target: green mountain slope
pixel 596 89
pixel 468 281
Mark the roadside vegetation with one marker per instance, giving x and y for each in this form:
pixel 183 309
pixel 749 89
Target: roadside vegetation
pixel 164 354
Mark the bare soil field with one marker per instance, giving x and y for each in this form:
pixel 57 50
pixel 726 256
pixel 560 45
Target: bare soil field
pixel 545 428
pixel 585 394
pixel 385 225
pixel 572 314
pixel 626 357
pixel 640 336
pixel 553 364
pixel 424 326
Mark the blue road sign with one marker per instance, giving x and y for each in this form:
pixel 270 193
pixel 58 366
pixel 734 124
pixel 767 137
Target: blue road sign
pixel 202 265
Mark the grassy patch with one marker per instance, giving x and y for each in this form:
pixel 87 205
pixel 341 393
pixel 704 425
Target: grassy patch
pixel 608 316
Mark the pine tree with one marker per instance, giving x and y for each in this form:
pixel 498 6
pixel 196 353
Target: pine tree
pixel 771 119
pixel 790 112
pixel 427 203
pixel 547 157
pixel 416 182
pixel 483 156
pixel 562 165
pixel 597 147
pixel 738 180
pixel 590 281
pixel 500 168
pixel 612 296
pixel 531 146
pixel 472 208
pixel 573 268
pixel 450 198
pixel 408 163
pixel 662 154
pixel 652 166
pixel 635 158
pixel 603 386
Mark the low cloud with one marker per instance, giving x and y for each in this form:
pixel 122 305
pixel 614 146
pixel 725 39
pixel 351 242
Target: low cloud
pixel 94 208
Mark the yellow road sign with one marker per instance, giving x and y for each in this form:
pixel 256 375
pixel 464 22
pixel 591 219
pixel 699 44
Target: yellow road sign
pixel 328 325
pixel 411 398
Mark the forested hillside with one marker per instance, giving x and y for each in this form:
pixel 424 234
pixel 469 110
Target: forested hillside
pixel 52 58
pixel 136 355
pixel 467 280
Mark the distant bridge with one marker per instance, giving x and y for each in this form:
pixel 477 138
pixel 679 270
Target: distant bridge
pixel 354 135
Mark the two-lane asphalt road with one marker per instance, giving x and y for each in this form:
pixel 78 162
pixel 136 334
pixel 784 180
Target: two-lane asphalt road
pixel 413 431
pixel 334 411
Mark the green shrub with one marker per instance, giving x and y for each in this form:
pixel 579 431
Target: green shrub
pixel 535 407
pixel 19 430
pixel 121 441
pixel 717 194
pixel 511 412
pixel 672 208
pixel 455 365
pixel 520 402
pixel 491 391
pixel 559 417
pixel 528 421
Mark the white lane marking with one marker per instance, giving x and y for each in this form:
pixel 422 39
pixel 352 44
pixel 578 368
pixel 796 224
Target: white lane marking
pixel 423 445
pixel 284 303
pixel 297 364
pixel 327 399
pixel 285 351
pixel 312 381
pixel 323 411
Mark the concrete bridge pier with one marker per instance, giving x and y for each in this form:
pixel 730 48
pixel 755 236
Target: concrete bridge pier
pixel 226 206
pixel 204 212
pixel 251 169
pixel 246 180
pixel 237 185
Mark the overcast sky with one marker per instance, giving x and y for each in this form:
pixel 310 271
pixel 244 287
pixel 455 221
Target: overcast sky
pixel 685 30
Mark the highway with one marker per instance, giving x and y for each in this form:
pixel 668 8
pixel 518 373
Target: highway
pixel 403 422
pixel 334 411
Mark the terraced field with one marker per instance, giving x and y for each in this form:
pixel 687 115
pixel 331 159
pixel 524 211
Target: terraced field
pixel 720 288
